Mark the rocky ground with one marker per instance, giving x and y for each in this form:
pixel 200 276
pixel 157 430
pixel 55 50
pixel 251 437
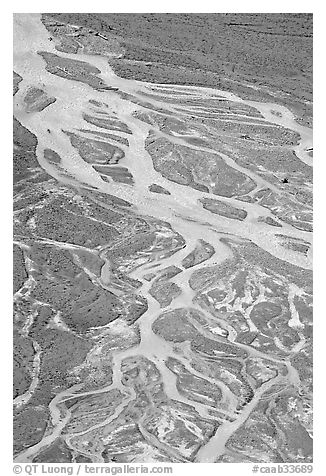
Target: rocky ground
pixel 162 238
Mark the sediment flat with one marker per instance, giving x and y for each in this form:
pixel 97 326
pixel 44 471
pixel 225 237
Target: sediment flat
pixel 162 238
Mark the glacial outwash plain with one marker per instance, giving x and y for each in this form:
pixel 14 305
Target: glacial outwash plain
pixel 162 238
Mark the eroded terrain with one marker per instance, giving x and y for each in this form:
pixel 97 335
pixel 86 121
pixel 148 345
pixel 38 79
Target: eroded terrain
pixel 162 259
